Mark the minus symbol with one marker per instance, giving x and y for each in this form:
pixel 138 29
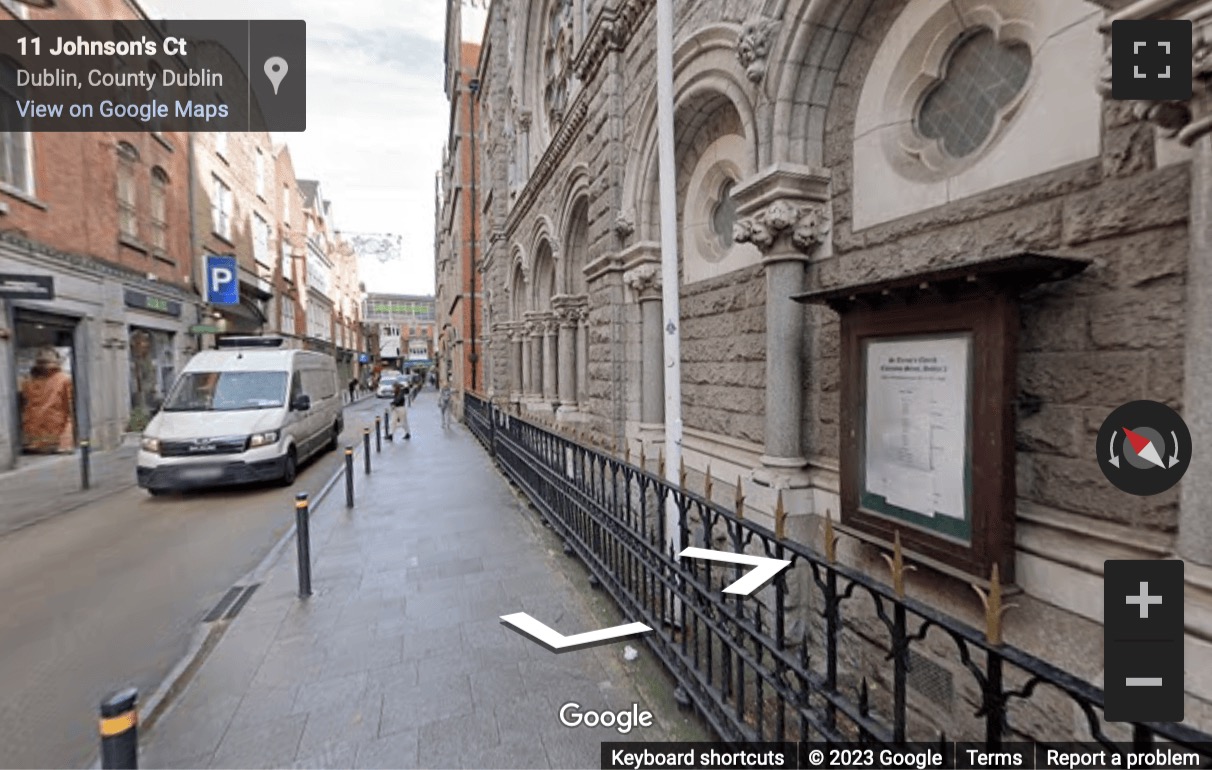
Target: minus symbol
pixel 1144 681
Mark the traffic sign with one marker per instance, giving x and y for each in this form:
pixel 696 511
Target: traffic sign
pixel 222 280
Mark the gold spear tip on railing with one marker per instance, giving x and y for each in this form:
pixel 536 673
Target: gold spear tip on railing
pixel 896 563
pixel 830 538
pixel 707 483
pixel 994 609
pixel 740 498
pixel 780 516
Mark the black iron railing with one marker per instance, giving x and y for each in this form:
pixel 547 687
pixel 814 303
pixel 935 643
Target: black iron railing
pixel 833 658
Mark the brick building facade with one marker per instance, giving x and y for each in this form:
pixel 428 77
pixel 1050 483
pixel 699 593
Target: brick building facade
pixel 461 323
pixel 120 223
pixel 824 145
pixel 105 216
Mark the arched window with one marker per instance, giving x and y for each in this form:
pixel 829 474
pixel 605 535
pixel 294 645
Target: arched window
pixel 723 217
pixel 159 209
pixel 15 166
pixel 128 212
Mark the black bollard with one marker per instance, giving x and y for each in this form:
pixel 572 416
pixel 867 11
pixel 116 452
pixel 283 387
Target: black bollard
pixel 303 541
pixel 85 481
pixel 366 447
pixel 378 436
pixel 348 476
pixel 120 731
pixel 387 419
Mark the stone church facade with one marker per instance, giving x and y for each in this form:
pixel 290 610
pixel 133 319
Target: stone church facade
pixel 823 143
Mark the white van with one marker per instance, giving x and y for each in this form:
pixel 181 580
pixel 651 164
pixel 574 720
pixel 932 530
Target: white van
pixel 249 411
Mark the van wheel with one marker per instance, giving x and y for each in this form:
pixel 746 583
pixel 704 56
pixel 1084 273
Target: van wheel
pixel 335 439
pixel 290 469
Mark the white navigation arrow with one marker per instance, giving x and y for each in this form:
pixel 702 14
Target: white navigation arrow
pixel 1174 457
pixel 557 642
pixel 1114 457
pixel 764 570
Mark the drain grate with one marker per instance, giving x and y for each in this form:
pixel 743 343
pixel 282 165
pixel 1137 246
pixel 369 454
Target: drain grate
pixel 223 604
pixel 232 602
pixel 241 601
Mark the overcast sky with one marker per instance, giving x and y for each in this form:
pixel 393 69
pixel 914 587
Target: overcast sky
pixel 377 115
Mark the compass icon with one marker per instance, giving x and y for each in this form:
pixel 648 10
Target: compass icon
pixel 1144 447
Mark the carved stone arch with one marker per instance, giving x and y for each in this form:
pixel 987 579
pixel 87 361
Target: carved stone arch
pixel 517 288
pixel 543 277
pixel 574 235
pixel 810 58
pixel 706 70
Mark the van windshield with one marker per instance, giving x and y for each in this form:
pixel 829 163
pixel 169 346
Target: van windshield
pixel 227 391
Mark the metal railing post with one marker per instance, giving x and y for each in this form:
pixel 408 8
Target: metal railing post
pixel 119 730
pixel 303 541
pixel 349 490
pixel 378 435
pixel 85 452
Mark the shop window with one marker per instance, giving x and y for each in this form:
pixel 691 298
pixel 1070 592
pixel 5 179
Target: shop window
pixel 152 371
pixel 45 377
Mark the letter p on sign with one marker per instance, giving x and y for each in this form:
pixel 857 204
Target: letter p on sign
pixel 222 283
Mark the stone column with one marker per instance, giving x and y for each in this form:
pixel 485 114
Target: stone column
pixel 527 355
pixel 516 357
pixel 536 359
pixel 645 280
pixel 582 358
pixel 783 212
pixel 550 362
pixel 567 374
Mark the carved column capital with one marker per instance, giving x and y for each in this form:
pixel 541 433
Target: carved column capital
pixel 645 280
pixel 784 211
pixel 524 118
pixel 804 225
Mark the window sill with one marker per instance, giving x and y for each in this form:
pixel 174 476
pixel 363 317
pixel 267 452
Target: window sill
pixel 160 256
pixel 224 238
pixel 133 243
pixel 23 196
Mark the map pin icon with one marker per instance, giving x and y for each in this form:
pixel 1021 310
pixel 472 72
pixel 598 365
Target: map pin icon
pixel 275 70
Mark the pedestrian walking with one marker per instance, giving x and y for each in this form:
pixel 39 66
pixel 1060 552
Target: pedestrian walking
pixel 444 400
pixel 353 388
pixel 46 406
pixel 399 412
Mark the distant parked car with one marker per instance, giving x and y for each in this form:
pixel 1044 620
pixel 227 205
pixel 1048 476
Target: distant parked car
pixel 387 385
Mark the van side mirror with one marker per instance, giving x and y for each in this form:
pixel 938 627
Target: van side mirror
pixel 301 403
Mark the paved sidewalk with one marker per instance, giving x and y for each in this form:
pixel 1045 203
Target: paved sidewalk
pixel 399 659
pixel 45 486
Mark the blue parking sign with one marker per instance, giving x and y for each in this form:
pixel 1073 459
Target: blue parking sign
pixel 222 280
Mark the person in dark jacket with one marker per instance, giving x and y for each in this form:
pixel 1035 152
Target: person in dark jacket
pixel 399 411
pixel 353 388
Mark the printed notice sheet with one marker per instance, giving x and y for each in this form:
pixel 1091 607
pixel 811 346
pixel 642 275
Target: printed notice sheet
pixel 917 415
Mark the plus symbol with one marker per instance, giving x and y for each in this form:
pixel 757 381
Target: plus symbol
pixel 1144 600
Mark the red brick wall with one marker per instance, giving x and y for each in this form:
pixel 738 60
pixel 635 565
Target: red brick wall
pixel 74 203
